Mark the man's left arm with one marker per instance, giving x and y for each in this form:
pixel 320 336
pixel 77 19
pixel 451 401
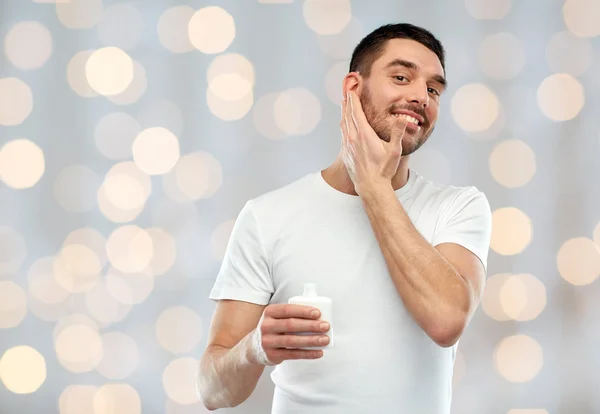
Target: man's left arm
pixel 440 286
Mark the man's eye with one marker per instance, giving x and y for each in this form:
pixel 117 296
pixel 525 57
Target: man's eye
pixel 400 78
pixel 433 91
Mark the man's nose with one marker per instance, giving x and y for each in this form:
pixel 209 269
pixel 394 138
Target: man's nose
pixel 418 94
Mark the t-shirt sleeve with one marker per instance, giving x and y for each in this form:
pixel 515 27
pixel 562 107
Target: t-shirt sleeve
pixel 245 273
pixel 467 222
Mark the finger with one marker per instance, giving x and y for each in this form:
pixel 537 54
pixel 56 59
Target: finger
pixel 396 141
pixel 347 117
pixel 285 354
pixel 283 310
pixel 357 110
pixel 271 325
pixel 352 111
pixel 293 341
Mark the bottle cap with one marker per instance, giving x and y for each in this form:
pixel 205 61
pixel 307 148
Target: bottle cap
pixel 310 289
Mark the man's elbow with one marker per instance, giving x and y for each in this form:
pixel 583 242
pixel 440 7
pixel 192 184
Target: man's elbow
pixel 447 334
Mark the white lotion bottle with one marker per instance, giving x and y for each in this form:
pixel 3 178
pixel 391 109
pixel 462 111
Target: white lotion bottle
pixel 323 303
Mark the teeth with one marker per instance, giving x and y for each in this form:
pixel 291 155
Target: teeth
pixel 409 118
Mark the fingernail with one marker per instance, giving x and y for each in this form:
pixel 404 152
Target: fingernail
pixel 324 340
pixel 324 326
pixel 315 313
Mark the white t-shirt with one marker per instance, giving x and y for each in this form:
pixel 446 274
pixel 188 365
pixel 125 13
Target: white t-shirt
pixel 381 361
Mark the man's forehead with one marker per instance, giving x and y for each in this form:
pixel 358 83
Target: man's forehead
pixel 412 51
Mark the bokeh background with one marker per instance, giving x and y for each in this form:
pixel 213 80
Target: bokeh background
pixel 133 132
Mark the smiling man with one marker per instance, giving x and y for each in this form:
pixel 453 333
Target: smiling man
pixel 404 259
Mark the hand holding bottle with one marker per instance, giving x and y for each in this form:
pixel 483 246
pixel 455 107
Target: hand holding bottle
pixel 278 330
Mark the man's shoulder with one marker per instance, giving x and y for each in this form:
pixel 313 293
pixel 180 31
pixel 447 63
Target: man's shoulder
pixel 447 194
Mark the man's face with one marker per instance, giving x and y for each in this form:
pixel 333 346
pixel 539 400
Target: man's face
pixel 404 87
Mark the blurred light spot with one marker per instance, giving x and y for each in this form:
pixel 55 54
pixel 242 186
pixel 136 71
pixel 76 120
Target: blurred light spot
pixel 275 1
pixel 334 79
pixel 28 45
pixel 155 151
pixel 49 312
pixel 114 135
pixel 121 26
pixel 112 212
pixel 342 44
pixel 501 56
pixel 161 113
pixel 179 380
pixel 77 399
pixel 579 261
pixel 264 116
pixel 109 71
pixel 568 53
pixel 597 234
pixel 512 163
pixel 511 231
pixel 582 16
pixel 77 268
pixel 459 369
pixel 179 330
pixel 101 305
pixel 13 304
pixel 21 164
pixel 80 14
pixel 165 251
pixel 527 411
pixel 228 110
pixel 79 348
pixel 129 288
pixel 75 188
pixel 297 111
pixel 121 356
pixel 22 369
pixel 16 101
pixel 90 238
pixel 522 297
pixel 518 358
pixel 211 30
pixel 490 302
pixel 230 87
pixel 173 29
pixel 196 176
pixel 72 320
pixel 432 164
pixel 327 17
pixel 220 239
pixel 76 74
pixel 117 399
pixel 488 9
pixel 475 107
pixel 42 285
pixel 136 88
pixel 130 249
pixel 231 64
pixel 561 97
pixel 13 250
pixel 124 192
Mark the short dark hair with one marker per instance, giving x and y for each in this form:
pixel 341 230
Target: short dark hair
pixel 372 46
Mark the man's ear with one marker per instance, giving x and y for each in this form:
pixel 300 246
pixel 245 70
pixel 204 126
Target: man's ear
pixel 352 82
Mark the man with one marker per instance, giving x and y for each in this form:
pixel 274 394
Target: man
pixel 403 259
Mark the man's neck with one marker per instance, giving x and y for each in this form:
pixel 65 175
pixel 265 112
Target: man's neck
pixel 337 176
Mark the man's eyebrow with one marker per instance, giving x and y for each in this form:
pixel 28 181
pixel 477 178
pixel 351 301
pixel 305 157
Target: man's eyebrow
pixel 411 65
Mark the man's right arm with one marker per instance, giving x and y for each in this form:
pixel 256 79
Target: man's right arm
pixel 244 337
pixel 228 371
